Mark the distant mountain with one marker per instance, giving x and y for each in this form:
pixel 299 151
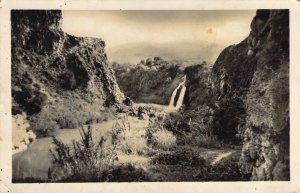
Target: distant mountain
pixel 180 51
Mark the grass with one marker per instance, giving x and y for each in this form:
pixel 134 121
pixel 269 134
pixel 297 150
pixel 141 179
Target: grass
pixel 181 156
pixel 226 170
pixel 68 115
pixel 85 160
pixel 158 137
pixel 130 150
pixel 132 137
pixel 164 139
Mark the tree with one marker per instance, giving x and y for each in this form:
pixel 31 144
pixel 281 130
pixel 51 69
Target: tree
pixel 149 62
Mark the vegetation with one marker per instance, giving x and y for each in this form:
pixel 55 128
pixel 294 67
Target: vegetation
pixel 227 119
pixel 132 140
pixel 193 128
pixel 227 170
pixel 67 115
pixel 180 156
pixel 158 137
pixel 85 160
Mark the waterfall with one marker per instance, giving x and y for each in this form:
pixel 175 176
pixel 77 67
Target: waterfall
pixel 181 95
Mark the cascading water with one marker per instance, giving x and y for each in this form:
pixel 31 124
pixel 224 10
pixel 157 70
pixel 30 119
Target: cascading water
pixel 180 98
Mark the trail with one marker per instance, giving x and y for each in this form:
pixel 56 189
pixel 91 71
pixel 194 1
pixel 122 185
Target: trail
pixel 221 156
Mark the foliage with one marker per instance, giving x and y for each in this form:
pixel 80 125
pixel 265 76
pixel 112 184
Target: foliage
pixel 127 173
pixel 65 115
pixel 164 139
pixel 132 139
pixel 158 137
pixel 180 156
pixel 227 119
pixel 193 127
pixel 228 170
pixel 29 97
pixel 84 160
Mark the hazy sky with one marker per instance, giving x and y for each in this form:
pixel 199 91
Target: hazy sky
pixel 121 27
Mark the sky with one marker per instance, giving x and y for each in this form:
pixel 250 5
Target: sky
pixel 119 27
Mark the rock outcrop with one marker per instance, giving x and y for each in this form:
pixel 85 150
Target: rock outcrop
pixel 22 136
pixel 198 85
pixel 255 72
pixel 53 69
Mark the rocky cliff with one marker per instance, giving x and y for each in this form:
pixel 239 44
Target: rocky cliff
pixel 144 83
pixel 57 76
pixel 198 85
pixel 254 76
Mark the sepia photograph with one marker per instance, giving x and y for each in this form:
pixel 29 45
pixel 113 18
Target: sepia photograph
pixel 150 95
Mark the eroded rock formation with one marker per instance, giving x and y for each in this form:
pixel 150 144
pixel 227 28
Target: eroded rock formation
pixel 53 69
pixel 255 72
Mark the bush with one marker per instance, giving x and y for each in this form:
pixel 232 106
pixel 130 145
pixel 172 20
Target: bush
pixel 193 127
pixel 227 119
pixel 67 115
pixel 83 160
pixel 126 173
pixel 164 139
pixel 132 140
pixel 158 136
pixel 30 98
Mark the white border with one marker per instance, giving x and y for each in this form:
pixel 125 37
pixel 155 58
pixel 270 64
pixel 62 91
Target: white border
pixel 182 187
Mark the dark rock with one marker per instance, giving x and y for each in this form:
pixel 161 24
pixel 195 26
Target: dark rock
pixel 70 70
pixel 256 72
pixel 127 101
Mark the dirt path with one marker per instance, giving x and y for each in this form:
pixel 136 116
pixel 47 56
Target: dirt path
pixel 221 156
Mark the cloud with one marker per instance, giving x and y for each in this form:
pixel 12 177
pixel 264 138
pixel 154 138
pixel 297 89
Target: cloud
pixel 117 27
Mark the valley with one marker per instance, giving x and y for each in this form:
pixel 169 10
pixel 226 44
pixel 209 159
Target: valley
pixel 78 117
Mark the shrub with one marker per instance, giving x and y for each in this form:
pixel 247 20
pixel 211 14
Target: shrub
pixel 227 119
pixel 193 127
pixel 158 137
pixel 126 173
pixel 164 139
pixel 83 160
pixel 68 115
pixel 132 139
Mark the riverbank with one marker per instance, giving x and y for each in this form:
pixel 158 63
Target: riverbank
pixel 160 162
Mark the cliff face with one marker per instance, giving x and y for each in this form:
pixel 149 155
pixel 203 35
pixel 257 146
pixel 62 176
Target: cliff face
pixel 255 72
pixel 198 86
pixel 266 139
pixel 53 69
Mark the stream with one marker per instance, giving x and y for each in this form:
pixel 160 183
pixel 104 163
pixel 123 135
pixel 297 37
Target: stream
pixel 36 159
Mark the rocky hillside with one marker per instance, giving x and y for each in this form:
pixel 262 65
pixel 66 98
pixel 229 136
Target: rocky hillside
pixel 253 77
pixel 57 79
pixel 198 85
pixel 154 80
